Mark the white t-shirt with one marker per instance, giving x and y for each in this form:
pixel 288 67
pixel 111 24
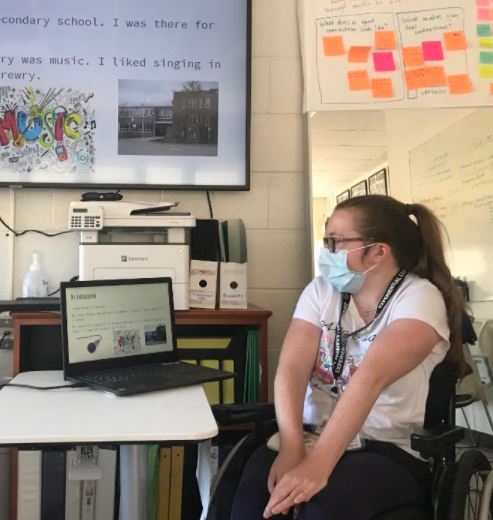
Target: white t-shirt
pixel 400 408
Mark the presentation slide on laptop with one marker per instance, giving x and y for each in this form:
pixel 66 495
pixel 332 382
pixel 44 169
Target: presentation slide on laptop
pixel 114 321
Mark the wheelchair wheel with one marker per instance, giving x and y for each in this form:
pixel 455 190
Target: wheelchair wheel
pixel 469 474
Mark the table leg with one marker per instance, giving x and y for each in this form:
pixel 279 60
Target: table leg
pixel 133 481
pixel 204 474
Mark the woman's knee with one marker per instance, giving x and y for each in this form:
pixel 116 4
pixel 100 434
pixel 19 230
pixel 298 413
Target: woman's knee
pixel 252 494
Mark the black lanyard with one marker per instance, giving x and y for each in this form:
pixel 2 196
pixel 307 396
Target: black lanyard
pixel 341 337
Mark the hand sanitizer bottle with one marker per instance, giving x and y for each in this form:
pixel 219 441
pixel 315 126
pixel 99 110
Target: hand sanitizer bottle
pixel 35 283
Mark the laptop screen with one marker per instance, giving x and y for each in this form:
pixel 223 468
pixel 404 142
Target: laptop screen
pixel 116 323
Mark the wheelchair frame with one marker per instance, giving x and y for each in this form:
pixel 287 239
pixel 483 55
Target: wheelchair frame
pixel 451 482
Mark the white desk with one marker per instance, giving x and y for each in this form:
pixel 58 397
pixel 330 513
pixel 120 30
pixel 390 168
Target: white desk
pixel 83 416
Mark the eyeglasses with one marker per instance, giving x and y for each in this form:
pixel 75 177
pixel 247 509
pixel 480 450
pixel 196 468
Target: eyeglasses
pixel 331 242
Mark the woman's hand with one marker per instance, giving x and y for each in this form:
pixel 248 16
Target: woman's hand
pixel 297 485
pixel 286 459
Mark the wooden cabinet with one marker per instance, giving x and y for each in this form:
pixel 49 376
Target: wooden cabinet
pixel 37 338
pixel 37 343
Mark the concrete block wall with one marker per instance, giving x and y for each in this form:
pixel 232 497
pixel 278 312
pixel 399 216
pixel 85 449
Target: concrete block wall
pixel 275 210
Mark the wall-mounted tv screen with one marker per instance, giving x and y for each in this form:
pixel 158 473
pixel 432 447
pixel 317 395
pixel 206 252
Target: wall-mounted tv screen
pixel 149 94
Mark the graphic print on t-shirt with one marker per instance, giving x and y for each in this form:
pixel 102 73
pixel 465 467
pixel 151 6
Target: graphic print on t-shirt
pixel 322 376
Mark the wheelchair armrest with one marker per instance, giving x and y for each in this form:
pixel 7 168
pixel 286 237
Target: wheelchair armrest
pixel 463 400
pixel 433 442
pixel 226 414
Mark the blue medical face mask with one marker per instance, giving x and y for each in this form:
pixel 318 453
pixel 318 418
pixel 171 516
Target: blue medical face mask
pixel 333 267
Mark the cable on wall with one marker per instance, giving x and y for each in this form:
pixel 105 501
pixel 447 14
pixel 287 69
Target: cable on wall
pixel 211 214
pixel 20 233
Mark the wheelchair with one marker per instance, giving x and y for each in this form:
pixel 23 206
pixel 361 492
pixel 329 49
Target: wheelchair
pixel 461 487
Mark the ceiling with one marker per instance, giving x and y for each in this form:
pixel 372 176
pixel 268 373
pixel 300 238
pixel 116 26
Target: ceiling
pixel 345 145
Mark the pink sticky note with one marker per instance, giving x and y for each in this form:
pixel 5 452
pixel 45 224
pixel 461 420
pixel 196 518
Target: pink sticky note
pixel 483 14
pixel 383 61
pixel 432 50
pixel 483 2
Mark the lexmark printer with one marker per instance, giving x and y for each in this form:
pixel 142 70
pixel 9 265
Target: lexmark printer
pixel 131 239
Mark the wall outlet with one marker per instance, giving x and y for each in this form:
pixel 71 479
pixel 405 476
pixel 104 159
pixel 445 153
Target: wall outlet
pixel 6 325
pixel 483 369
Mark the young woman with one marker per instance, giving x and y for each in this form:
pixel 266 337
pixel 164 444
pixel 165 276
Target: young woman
pixel 355 367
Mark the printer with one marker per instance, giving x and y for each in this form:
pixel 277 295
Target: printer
pixel 120 239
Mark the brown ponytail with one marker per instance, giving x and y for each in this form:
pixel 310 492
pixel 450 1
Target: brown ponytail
pixel 417 247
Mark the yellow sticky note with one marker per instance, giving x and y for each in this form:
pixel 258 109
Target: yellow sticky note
pixel 382 88
pixel 485 71
pixel 459 83
pixel 486 41
pixel 333 45
pixel 358 80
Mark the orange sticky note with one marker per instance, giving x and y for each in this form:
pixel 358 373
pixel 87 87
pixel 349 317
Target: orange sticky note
pixel 435 76
pixel 491 89
pixel 413 56
pixel 358 80
pixel 333 45
pixel 382 88
pixel 455 40
pixel 459 84
pixel 385 40
pixel 416 78
pixel 358 54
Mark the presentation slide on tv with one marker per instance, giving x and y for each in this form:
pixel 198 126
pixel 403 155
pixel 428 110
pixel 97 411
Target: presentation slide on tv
pixel 125 93
pixel 112 321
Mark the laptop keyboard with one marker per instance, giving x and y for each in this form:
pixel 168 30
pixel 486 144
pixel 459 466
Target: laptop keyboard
pixel 122 375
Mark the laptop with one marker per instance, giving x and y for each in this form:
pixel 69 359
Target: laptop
pixel 118 336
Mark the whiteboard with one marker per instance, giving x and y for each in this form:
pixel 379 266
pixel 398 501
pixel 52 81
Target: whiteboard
pixel 368 54
pixel 452 174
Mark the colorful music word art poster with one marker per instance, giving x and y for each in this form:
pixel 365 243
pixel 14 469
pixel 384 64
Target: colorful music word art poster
pixel 46 129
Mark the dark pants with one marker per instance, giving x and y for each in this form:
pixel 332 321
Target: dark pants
pixel 380 482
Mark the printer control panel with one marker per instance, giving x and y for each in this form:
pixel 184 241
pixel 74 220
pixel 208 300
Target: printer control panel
pixel 85 218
